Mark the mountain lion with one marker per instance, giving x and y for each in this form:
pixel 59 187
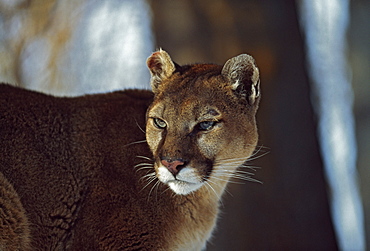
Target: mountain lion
pixel 78 174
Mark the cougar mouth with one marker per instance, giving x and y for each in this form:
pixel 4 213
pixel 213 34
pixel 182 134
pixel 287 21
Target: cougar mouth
pixel 186 181
pixel 183 187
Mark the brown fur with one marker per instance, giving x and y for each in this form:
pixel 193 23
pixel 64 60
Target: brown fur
pixel 72 161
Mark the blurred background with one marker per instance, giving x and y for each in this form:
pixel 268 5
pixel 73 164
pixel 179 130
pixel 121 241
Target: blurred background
pixel 291 210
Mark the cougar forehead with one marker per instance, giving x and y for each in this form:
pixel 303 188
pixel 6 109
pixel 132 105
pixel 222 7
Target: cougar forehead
pixel 188 105
pixel 195 94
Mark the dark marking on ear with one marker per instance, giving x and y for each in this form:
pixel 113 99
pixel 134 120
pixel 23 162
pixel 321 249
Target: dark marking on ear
pixel 243 76
pixel 161 67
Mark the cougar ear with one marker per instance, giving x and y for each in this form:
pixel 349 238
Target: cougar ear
pixel 161 67
pixel 243 76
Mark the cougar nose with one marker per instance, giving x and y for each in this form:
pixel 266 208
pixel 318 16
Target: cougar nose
pixel 174 166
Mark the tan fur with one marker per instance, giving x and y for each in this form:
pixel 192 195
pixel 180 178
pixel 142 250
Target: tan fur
pixel 14 229
pixel 85 179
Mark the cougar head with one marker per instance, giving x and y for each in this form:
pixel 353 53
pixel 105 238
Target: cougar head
pixel 201 125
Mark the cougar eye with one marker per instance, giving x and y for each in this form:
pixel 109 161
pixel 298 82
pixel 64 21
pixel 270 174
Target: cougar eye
pixel 159 123
pixel 206 125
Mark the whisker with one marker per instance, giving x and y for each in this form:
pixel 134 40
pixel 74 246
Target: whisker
pixel 250 167
pixel 234 172
pixel 136 142
pixel 156 190
pixel 232 159
pixel 155 185
pixel 165 190
pixel 259 147
pixel 144 164
pixel 254 157
pixel 229 181
pixel 246 178
pixel 240 172
pixel 141 129
pixel 149 175
pixel 224 173
pixel 257 151
pixel 145 167
pixel 151 179
pixel 143 157
pixel 207 182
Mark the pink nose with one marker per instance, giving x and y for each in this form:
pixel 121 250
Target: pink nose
pixel 173 166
